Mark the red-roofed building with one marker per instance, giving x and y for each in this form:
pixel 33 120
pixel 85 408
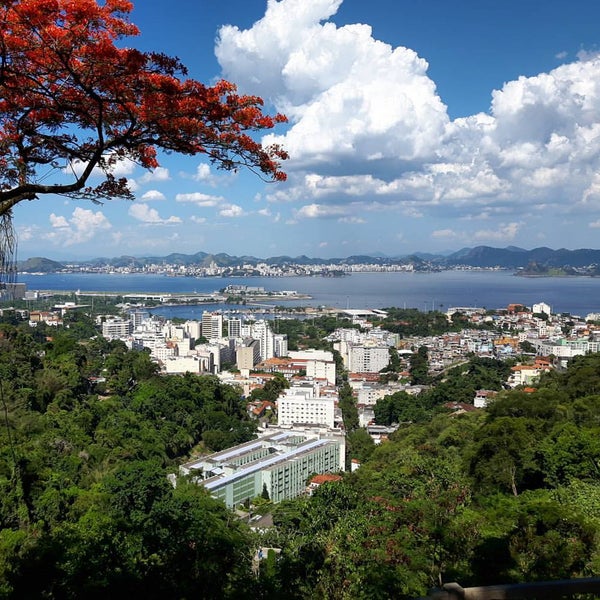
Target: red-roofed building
pixel 459 408
pixel 526 374
pixel 319 480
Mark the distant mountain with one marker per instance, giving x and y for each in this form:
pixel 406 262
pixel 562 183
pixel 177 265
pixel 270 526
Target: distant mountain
pixel 39 265
pixel 515 258
pixel 510 257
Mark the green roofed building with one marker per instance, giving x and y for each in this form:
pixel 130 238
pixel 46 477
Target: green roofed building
pixel 280 461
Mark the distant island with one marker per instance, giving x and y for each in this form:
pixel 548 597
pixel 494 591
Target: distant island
pixel 538 262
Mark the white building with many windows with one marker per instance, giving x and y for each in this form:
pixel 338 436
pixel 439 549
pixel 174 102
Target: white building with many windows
pixel 234 328
pixel 367 358
pixel 280 345
pixel 261 331
pixel 305 404
pixel 212 325
pixel 116 328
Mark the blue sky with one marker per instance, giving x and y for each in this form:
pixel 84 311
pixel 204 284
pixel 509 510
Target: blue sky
pixel 414 125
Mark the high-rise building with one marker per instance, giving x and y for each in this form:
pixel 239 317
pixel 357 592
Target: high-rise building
pixel 193 329
pixel 212 325
pixel 137 317
pixel 261 331
pixel 280 344
pixel 301 404
pixel 117 328
pixel 234 328
pixel 367 359
pixel 247 354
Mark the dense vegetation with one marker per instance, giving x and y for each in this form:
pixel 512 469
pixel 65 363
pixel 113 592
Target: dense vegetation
pixel 89 432
pixel 503 495
pixel 309 333
pixel 411 321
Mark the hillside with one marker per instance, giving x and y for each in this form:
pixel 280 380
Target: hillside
pixel 39 265
pixel 510 257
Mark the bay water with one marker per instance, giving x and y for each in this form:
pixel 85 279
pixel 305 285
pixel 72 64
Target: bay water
pixel 423 291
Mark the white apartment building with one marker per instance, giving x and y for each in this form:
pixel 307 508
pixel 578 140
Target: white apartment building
pixel 346 335
pixel 116 328
pixel 319 364
pixel 199 363
pixel 367 359
pixel 280 345
pixel 137 317
pixel 565 349
pixel 174 332
pixel 312 354
pixel 367 395
pixel 234 328
pixel 261 331
pixel 193 329
pixel 542 307
pixel 212 325
pixel 321 369
pixel 304 405
pixel 164 352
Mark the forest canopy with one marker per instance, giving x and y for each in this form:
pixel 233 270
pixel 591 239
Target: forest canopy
pixel 90 431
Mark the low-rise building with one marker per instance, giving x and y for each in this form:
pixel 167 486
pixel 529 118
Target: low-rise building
pixel 525 374
pixel 483 397
pixel 280 462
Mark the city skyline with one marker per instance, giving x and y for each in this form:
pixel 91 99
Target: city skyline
pixel 412 127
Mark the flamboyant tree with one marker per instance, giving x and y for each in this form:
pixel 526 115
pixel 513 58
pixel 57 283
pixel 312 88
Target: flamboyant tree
pixel 75 101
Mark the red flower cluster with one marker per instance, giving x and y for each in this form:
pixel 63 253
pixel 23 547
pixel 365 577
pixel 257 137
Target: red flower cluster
pixel 70 95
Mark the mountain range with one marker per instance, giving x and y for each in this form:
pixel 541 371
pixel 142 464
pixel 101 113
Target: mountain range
pixel 511 257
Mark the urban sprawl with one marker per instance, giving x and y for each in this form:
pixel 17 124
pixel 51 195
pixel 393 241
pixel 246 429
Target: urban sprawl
pixel 301 433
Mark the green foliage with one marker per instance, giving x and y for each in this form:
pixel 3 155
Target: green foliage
pixel 394 365
pixel 413 322
pixel 401 407
pixel 419 367
pixel 504 495
pixel 347 404
pixel 271 390
pixel 359 444
pixel 511 493
pixel 86 508
pixel 309 333
pixel 460 383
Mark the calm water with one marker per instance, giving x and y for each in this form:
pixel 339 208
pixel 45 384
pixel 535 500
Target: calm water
pixel 424 291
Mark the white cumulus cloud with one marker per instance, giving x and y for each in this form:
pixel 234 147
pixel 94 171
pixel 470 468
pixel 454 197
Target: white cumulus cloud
pixel 152 195
pixel 200 199
pixel 346 93
pixel 158 174
pixel 320 211
pixel 367 126
pixel 142 212
pixel 231 211
pixel 82 226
